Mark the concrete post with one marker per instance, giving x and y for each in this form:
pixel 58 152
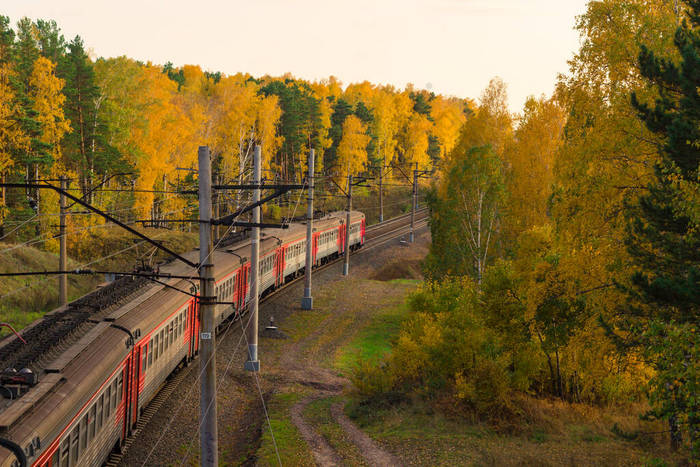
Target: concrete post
pixel 208 434
pixel 413 211
pixel 381 191
pixel 346 265
pixel 307 302
pixel 252 364
pixel 62 253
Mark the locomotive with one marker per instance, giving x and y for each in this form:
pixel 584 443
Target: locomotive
pixel 88 400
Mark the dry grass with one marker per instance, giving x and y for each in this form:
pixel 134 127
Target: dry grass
pixel 23 299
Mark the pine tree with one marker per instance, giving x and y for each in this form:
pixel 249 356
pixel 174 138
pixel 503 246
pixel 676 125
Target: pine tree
pixel 663 237
pixel 81 96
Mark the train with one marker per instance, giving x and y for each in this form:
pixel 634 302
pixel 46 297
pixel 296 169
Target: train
pixel 86 402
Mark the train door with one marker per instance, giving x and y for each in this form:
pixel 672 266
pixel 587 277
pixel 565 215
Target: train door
pixel 279 266
pixel 136 372
pixel 315 247
pixel 362 232
pixel 343 228
pixel 197 319
pixel 339 240
pixel 188 328
pixel 124 397
pixel 244 284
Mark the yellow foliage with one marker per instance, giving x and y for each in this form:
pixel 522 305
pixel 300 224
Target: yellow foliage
pixel 48 103
pixel 352 150
pixel 11 135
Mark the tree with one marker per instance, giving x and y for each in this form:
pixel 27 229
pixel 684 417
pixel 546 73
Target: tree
pixel 352 150
pixel 415 142
pixel 341 110
pixel 663 236
pixel 465 218
pixel 531 158
pixel 45 90
pixel 83 101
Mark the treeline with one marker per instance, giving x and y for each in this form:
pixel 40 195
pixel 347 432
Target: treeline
pixel 566 240
pixel 122 125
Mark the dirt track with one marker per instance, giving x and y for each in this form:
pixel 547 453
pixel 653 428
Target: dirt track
pixel 171 437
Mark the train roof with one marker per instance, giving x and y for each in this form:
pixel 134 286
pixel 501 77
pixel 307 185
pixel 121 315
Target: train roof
pixel 104 338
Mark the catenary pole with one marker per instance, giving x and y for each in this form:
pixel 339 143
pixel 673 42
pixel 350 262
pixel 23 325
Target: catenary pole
pixel 62 253
pixel 415 199
pixel 253 364
pixel 307 302
pixel 346 264
pixel 381 191
pixel 208 436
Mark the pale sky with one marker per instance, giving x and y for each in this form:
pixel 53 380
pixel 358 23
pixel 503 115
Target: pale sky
pixel 453 47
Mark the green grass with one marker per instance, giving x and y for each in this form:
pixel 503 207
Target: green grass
pixel 373 341
pixel 291 446
pixel 406 281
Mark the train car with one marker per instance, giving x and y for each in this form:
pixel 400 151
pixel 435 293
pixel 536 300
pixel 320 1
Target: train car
pixel 89 399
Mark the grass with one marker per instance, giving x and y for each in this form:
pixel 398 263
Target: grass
pixel 373 341
pixel 422 436
pixel 291 446
pixel 24 299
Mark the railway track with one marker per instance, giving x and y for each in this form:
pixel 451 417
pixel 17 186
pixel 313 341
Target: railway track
pixel 376 235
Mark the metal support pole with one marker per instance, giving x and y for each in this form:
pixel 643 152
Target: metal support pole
pixel 346 265
pixel 252 332
pixel 415 199
pixel 62 253
pixel 381 191
pixel 208 436
pixel 307 302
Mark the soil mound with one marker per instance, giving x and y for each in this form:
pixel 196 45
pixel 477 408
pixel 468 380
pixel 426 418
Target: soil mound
pixel 398 270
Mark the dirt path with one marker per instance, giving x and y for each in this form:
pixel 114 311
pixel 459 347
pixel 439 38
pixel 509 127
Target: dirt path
pixel 323 453
pixel 308 361
pixel 372 453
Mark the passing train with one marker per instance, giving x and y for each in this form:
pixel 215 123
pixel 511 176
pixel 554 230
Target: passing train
pixel 89 399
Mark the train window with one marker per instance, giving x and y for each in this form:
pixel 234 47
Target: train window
pixel 161 345
pixel 172 332
pixel 74 445
pixel 54 459
pixel 100 405
pixel 166 338
pixel 150 352
pixel 65 445
pixel 83 433
pixel 91 423
pixel 108 409
pixel 155 348
pixel 119 389
pixel 114 394
pixel 142 355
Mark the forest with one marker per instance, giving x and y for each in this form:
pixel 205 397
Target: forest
pixel 565 257
pixel 125 133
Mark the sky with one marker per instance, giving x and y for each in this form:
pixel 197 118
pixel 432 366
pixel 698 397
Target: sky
pixel 452 47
